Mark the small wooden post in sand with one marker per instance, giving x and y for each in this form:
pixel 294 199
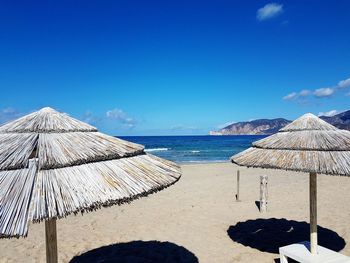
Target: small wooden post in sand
pixel 237 195
pixel 51 241
pixel 313 213
pixel 263 193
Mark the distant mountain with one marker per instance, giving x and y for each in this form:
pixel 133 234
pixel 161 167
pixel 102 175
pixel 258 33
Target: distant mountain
pixel 270 126
pixel 341 120
pixel 262 126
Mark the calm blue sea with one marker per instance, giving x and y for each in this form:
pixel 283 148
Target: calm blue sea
pixel 188 149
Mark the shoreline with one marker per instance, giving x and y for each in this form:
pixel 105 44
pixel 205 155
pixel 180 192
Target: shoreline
pixel 202 162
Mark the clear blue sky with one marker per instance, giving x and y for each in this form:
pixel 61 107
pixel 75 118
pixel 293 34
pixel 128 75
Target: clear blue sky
pixel 174 67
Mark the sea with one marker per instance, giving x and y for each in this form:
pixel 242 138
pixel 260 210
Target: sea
pixel 195 149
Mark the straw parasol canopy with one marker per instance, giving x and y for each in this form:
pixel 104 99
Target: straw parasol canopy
pixel 52 165
pixel 308 144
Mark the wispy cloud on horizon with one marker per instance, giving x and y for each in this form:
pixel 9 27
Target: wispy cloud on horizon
pixel 9 114
pixel 183 128
pixel 91 118
pixel 329 113
pixel 121 117
pixel 319 93
pixel 221 126
pixel 269 11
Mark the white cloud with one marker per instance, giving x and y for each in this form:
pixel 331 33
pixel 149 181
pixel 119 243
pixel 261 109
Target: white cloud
pixel 269 11
pixel 122 117
pixel 90 118
pixel 8 114
pixel 299 95
pixel 324 92
pixel 183 128
pixel 221 126
pixel 319 93
pixel 344 83
pixel 328 113
pixel 304 93
pixel 290 96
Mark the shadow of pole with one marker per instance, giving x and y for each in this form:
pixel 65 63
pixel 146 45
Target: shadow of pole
pixel 267 235
pixel 138 252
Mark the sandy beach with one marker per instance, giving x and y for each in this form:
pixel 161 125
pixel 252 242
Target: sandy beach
pixel 198 220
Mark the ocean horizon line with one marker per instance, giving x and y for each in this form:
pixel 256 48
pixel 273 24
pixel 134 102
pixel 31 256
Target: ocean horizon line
pixel 194 148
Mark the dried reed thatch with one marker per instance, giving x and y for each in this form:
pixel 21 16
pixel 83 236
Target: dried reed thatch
pixel 308 144
pixel 52 165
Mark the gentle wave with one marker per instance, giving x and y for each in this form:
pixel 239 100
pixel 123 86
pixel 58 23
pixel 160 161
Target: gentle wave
pixel 156 149
pixel 204 161
pixel 195 149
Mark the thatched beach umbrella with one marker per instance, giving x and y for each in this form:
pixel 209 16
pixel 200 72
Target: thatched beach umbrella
pixel 308 144
pixel 52 165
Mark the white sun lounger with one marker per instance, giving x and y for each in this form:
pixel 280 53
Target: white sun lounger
pixel 301 253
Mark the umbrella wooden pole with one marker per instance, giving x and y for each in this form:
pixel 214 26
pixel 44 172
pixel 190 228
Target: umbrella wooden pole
pixel 51 241
pixel 313 213
pixel 263 193
pixel 237 195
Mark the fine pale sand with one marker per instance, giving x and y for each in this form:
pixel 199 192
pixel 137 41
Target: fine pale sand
pixel 198 220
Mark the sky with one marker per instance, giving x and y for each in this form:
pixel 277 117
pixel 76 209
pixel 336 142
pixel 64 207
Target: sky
pixel 174 67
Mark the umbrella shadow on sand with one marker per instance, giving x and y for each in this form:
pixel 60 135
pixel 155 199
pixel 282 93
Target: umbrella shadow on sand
pixel 267 235
pixel 138 252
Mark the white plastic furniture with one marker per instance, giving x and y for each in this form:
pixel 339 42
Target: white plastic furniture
pixel 301 253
